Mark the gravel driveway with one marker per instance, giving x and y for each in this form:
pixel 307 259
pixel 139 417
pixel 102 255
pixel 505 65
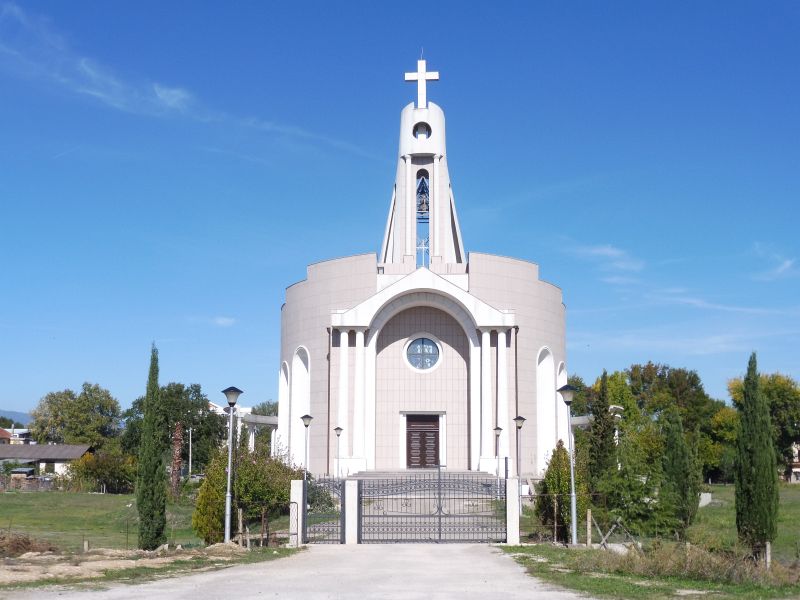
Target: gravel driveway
pixel 358 572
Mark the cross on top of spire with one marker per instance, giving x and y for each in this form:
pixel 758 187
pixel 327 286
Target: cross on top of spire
pixel 422 77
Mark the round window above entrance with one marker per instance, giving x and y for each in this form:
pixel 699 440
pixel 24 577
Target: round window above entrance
pixel 422 353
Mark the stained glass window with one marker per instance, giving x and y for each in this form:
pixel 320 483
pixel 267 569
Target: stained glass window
pixel 423 353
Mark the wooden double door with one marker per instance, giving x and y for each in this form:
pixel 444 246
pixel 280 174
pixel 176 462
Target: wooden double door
pixel 422 441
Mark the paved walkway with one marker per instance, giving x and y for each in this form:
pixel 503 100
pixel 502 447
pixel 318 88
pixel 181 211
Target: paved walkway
pixel 358 572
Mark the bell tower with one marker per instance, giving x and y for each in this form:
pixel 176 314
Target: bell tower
pixel 422 229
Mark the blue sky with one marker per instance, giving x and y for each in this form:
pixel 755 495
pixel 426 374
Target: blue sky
pixel 167 169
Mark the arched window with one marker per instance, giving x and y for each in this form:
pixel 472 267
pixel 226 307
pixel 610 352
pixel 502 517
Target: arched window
pixel 423 207
pixel 301 402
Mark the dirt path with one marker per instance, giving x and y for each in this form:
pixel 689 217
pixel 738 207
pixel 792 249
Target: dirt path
pixel 358 572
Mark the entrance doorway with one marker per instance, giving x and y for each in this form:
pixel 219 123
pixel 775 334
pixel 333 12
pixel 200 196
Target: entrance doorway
pixel 422 441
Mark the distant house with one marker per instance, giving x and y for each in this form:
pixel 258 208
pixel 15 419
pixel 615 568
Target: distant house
pixel 49 458
pixel 20 436
pixel 5 436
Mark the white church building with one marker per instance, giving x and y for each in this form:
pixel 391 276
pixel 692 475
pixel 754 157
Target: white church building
pixel 423 355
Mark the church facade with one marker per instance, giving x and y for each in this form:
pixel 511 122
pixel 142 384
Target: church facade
pixel 423 355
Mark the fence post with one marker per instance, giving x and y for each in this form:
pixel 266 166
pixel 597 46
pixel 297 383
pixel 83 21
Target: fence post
pixel 512 511
pixel 351 500
pixel 588 527
pixel 296 497
pixel 768 555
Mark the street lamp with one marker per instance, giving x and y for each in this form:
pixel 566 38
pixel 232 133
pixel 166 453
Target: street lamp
pixel 567 392
pixel 338 431
pixel 497 431
pixel 306 421
pixel 519 422
pixel 231 394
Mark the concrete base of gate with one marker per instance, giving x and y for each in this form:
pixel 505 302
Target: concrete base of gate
pixel 296 498
pixel 351 500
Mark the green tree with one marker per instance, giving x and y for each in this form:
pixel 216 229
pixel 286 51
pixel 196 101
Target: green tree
pixel 632 491
pixel 553 501
pixel 756 468
pixel 783 396
pixel 208 518
pixel 267 408
pixel 7 423
pixel 681 484
pixel 724 427
pixel 187 404
pixel 91 417
pixel 580 401
pixel 109 469
pixel 151 484
pixel 602 450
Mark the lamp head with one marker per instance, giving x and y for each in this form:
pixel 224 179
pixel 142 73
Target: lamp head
pixel 306 420
pixel 498 430
pixel 567 392
pixel 232 394
pixel 338 431
pixel 520 421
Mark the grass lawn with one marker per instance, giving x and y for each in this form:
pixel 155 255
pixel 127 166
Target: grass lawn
pixel 715 525
pixel 66 519
pixel 571 569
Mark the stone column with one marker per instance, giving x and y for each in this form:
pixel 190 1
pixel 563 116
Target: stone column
pixel 351 511
pixel 502 393
pixel 344 404
pixel 487 426
pixel 411 208
pixel 358 397
pixel 435 209
pixel 512 511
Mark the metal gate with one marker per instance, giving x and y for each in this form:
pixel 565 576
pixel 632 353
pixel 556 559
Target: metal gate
pixel 432 507
pixel 323 521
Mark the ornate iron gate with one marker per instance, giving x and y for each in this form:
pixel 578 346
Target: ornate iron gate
pixel 433 507
pixel 323 505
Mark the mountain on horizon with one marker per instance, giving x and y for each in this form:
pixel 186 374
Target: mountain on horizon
pixel 15 415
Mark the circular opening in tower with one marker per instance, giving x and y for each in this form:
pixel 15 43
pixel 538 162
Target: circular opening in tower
pixel 422 353
pixel 422 131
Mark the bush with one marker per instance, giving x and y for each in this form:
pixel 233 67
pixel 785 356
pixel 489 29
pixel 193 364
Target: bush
pixel 108 469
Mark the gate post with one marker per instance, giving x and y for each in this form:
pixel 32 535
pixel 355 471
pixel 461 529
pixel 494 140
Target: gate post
pixel 296 496
pixel 512 511
pixel 351 512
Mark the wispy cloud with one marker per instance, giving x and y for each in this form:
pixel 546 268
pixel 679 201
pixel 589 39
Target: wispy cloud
pixel 781 266
pixel 218 321
pixel 223 321
pixel 608 257
pixel 29 47
pixel 669 339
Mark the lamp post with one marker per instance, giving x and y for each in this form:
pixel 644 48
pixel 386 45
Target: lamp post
pixel 338 431
pixel 231 394
pixel 306 422
pixel 497 431
pixel 519 422
pixel 567 392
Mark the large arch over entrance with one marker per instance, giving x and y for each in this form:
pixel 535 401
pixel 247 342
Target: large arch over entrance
pixel 422 410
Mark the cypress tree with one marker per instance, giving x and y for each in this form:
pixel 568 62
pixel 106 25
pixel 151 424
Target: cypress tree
pixel 756 470
pixel 680 488
pixel 151 483
pixel 602 450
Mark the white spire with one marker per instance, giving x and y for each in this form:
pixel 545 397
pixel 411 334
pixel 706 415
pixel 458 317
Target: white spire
pixel 422 228
pixel 422 77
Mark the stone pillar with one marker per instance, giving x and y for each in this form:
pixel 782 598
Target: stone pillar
pixel 502 395
pixel 411 209
pixel 358 397
pixel 296 499
pixel 351 511
pixel 344 404
pixel 487 426
pixel 435 209
pixel 512 511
